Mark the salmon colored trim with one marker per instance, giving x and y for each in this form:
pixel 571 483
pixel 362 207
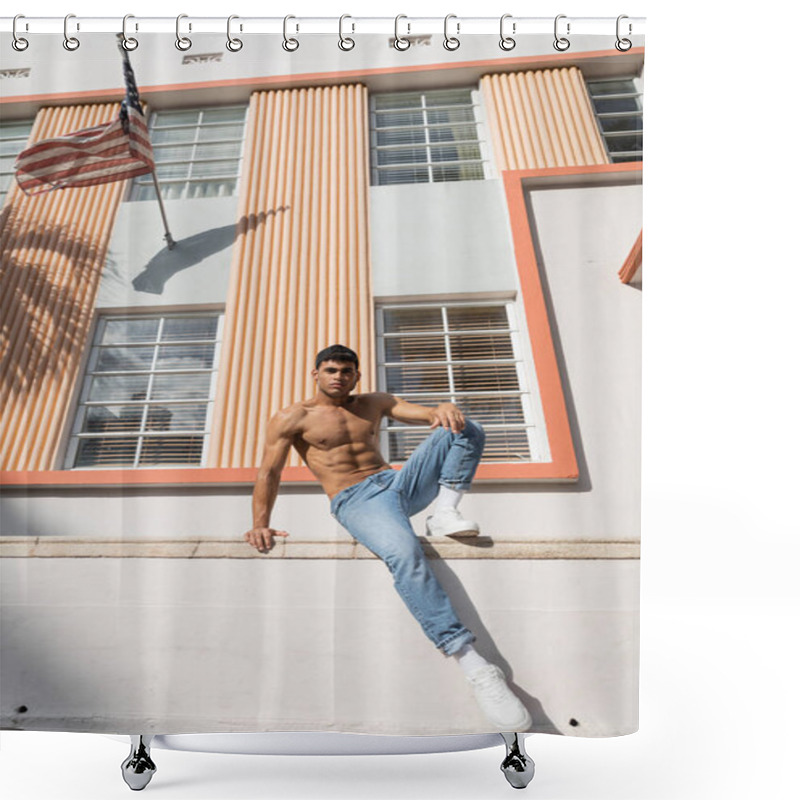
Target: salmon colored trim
pixel 564 172
pixel 564 464
pixel 145 477
pixel 82 479
pixel 632 262
pixel 262 82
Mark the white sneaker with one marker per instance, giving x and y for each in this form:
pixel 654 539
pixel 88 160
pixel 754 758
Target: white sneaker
pixel 497 701
pixel 449 522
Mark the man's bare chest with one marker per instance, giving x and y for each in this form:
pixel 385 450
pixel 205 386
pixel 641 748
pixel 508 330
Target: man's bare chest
pixel 331 429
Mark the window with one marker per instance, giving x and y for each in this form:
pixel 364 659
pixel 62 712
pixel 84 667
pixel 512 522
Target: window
pixel 426 137
pixel 618 109
pixel 198 153
pixel 465 353
pixel 147 395
pixel 13 138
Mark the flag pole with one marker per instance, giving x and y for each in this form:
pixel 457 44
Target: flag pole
pixel 131 92
pixel 167 235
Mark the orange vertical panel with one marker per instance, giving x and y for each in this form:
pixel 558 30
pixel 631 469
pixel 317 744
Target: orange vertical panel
pixel 579 107
pixel 366 311
pixel 52 250
pixel 542 118
pixel 300 277
pixel 542 131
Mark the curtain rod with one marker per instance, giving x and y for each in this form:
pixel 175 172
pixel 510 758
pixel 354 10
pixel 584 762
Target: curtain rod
pixel 347 25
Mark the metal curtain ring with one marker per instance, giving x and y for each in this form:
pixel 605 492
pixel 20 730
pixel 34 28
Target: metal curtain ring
pixel 234 45
pixel 561 43
pixel 451 42
pixel 70 42
pixel 400 43
pixel 19 43
pixel 289 44
pixel 183 43
pixel 623 44
pixel 346 42
pixel 128 42
pixel 507 42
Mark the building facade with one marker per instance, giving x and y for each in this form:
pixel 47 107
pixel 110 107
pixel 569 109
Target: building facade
pixel 471 226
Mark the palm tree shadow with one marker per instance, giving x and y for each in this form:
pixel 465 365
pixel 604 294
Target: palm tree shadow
pixel 192 250
pixel 41 304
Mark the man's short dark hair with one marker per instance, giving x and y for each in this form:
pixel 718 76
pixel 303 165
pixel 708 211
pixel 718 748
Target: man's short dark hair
pixel 336 352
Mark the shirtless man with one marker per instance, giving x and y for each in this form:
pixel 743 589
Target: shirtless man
pixel 336 434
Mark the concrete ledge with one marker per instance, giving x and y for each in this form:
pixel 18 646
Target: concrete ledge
pixel 481 547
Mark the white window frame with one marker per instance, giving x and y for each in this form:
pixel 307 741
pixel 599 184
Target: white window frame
pixel 89 373
pixel 479 121
pixel 143 182
pixel 533 420
pixel 626 155
pixel 22 141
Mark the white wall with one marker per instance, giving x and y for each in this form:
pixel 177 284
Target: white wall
pixel 582 237
pixel 141 271
pixel 440 238
pixel 194 645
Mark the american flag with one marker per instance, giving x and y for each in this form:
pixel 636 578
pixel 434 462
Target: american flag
pixel 109 152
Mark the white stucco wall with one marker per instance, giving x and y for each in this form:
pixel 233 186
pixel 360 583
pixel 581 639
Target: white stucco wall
pixel 141 272
pixel 441 238
pixel 583 236
pixel 182 645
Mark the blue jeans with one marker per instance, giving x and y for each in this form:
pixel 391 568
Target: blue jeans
pixel 376 512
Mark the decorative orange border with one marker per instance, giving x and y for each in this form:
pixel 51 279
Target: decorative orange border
pixel 632 262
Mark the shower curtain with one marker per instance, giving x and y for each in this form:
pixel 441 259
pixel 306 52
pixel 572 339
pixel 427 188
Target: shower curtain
pixel 467 220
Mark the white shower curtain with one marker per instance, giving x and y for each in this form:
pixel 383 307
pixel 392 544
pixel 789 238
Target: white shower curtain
pixel 468 221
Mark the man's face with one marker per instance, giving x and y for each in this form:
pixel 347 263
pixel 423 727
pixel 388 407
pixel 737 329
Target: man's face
pixel 336 378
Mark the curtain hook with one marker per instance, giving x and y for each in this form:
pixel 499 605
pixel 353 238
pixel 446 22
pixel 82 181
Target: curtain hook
pixel 70 42
pixel 621 44
pixel 346 42
pixel 400 43
pixel 561 43
pixel 507 42
pixel 128 42
pixel 289 44
pixel 19 43
pixel 234 45
pixel 183 43
pixel 451 42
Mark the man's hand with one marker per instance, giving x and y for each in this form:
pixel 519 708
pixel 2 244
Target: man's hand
pixel 448 416
pixel 262 538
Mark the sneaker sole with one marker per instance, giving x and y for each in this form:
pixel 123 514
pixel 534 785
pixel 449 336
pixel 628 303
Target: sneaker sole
pixel 520 728
pixel 463 534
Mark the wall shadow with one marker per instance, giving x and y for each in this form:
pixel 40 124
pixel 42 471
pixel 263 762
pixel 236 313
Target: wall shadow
pixel 486 645
pixel 192 250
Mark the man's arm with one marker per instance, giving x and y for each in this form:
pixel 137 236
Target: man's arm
pixel 280 432
pixel 446 415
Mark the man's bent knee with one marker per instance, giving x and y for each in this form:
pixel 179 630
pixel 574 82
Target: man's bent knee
pixel 474 429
